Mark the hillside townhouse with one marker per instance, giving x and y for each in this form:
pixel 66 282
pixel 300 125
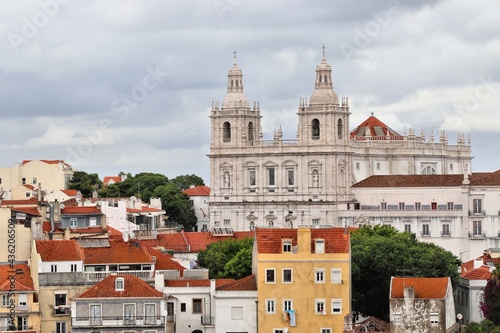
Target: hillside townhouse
pixel 474 276
pixel 422 305
pixel 122 303
pixel 19 310
pixel 26 177
pixel 199 197
pixel 303 279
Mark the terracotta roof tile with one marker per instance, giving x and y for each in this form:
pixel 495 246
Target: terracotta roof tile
pixel 28 210
pixel 133 287
pixel 115 179
pixel 196 283
pixel 269 239
pixel 145 209
pixel 24 282
pixel 29 187
pixel 373 127
pixel 70 193
pixel 197 191
pixel 480 273
pixel 164 261
pixel 118 252
pixel 81 210
pixel 30 201
pixel 59 250
pixel 476 179
pixel 424 287
pixel 245 284
pixel 47 161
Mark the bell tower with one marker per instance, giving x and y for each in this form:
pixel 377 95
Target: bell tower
pixel 234 123
pixel 322 119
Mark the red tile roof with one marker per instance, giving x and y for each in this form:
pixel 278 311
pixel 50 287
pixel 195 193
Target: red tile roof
pixel 196 283
pixel 423 287
pixel 164 261
pixel 28 210
pixel 269 239
pixel 59 250
pixel 47 161
pixel 476 179
pixel 245 284
pixel 81 210
pixel 115 179
pixel 30 201
pixel 373 127
pixel 133 287
pixel 197 191
pixel 23 280
pixel 118 252
pixel 70 193
pixel 29 187
pixel 480 273
pixel 145 209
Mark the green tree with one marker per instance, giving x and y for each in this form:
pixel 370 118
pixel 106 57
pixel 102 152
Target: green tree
pixel 184 182
pixel 381 252
pixel 110 191
pixel 142 185
pixel 176 205
pixel 230 258
pixel 85 183
pixel 473 327
pixel 490 301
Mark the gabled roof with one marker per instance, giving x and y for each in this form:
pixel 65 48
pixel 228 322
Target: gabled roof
pixel 59 250
pixel 47 161
pixel 30 201
pixel 114 179
pixel 481 273
pixel 373 127
pixel 196 283
pixel 269 239
pixel 133 288
pixel 244 284
pixel 70 193
pixel 92 210
pixel 27 210
pixel 372 324
pixel 23 281
pixel 29 187
pixel 164 261
pixel 475 179
pixel 118 252
pixel 197 191
pixel 423 287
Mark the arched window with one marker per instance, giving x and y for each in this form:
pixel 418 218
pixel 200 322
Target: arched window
pixel 226 132
pixel 232 83
pixel 340 133
pixel 271 223
pixel 315 129
pixel 252 226
pixel 320 79
pixel 326 79
pixel 236 83
pixel 428 170
pixel 250 132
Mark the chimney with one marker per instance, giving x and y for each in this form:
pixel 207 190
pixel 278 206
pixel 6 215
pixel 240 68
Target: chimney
pixel 304 240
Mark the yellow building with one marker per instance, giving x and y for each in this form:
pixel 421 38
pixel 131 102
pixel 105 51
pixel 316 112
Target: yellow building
pixel 303 279
pixel 19 310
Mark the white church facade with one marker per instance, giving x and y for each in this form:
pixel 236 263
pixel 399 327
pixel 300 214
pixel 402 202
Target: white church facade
pixel 306 181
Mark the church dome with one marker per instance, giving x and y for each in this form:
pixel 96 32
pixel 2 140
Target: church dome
pixel 235 99
pixel 235 96
pixel 323 88
pixel 324 96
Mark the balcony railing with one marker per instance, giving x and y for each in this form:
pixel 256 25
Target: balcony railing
pixel 114 321
pixel 98 276
pixel 15 328
pixel 476 235
pixel 207 320
pixel 445 234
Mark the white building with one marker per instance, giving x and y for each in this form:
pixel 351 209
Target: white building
pixel 199 196
pixel 303 180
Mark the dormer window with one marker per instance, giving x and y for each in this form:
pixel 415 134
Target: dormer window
pixel 319 246
pixel 119 283
pixel 287 245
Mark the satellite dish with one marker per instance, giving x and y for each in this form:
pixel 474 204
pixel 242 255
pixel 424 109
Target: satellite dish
pixel 459 316
pixel 62 206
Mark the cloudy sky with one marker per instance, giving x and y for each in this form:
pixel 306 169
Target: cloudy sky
pixel 123 85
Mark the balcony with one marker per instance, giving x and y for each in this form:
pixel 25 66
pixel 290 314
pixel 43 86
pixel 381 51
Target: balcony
pixel 98 276
pixel 445 234
pixel 60 310
pixel 477 213
pixel 16 328
pixel 425 234
pixel 477 235
pixel 118 321
pixel 207 320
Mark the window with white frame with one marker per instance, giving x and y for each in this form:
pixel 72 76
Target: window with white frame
pixel 236 312
pixel 287 275
pixel 120 283
pixel 227 222
pixel 477 206
pixel 418 205
pixel 319 247
pixel 425 230
pixel 450 205
pixel 60 327
pixel 401 206
pixel 315 221
pixel 397 318
pixel 287 304
pixel 477 228
pixel 73 222
pixel 287 245
pixel 73 267
pixel 319 307
pixel 290 177
pixel 53 268
pixel 22 300
pixel 434 317
pixel 5 300
pixel 150 314
pixel 383 205
pixel 325 330
pixel 197 305
pixel 336 275
pixel 319 275
pixel 252 178
pixel 270 275
pixel 277 330
pixel 129 313
pixel 446 229
pixel 270 306
pixel 408 228
pixel 336 305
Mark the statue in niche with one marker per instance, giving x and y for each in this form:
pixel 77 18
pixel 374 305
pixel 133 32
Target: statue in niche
pixel 227 182
pixel 315 176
